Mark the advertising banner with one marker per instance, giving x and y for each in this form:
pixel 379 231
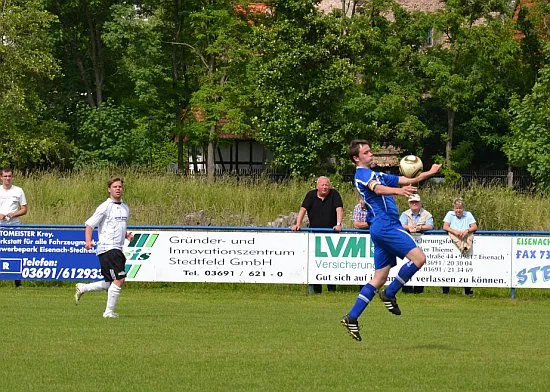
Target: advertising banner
pixel 486 265
pixel 46 255
pixel 348 259
pixel 218 256
pixel 531 262
pixel 272 257
pixel 340 258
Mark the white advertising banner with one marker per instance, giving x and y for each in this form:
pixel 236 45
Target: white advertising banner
pixel 269 256
pixel 212 256
pixel 487 264
pixel 340 258
pixel 531 262
pixel 348 259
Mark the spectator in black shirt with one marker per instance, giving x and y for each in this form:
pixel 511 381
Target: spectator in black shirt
pixel 324 209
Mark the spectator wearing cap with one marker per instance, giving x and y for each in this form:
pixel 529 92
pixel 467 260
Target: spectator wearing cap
pixel 416 220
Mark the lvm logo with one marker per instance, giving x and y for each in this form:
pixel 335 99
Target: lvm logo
pixel 342 246
pixel 136 252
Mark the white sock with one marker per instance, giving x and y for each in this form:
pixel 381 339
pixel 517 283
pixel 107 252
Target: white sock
pixel 112 298
pixel 95 286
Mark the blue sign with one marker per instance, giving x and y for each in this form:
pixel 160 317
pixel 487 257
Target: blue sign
pixel 58 254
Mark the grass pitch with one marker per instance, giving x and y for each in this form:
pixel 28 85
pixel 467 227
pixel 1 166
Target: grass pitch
pixel 273 338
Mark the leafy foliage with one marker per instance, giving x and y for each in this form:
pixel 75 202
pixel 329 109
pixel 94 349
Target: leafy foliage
pixel 323 80
pixel 529 143
pixel 218 33
pixel 110 135
pixel 113 82
pixel 471 77
pixel 28 137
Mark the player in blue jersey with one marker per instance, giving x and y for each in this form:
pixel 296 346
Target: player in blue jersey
pixel 388 236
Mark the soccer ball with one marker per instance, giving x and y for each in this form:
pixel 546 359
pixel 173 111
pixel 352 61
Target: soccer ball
pixel 411 166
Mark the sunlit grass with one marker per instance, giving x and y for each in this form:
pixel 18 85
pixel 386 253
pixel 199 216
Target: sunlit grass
pixel 233 337
pixel 269 338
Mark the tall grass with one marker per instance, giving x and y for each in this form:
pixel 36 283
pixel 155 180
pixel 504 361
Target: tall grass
pixel 494 207
pixel 163 198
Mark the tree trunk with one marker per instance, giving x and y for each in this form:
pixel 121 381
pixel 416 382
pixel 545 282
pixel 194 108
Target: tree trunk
pixel 211 157
pixel 510 177
pixel 178 106
pixel 450 128
pixel 211 163
pixel 348 7
pixel 194 160
pixel 181 168
pixel 97 60
pixel 84 80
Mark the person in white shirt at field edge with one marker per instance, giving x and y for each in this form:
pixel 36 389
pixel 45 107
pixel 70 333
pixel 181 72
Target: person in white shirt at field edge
pixel 13 203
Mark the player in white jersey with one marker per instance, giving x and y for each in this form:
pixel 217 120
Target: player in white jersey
pixel 111 219
pixel 13 203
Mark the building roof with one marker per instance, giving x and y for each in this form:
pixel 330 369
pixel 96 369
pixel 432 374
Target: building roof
pixel 387 156
pixel 409 5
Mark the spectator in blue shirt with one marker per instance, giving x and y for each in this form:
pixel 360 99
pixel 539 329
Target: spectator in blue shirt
pixel 461 226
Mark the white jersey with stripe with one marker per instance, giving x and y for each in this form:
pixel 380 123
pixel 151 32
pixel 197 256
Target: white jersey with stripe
pixel 111 220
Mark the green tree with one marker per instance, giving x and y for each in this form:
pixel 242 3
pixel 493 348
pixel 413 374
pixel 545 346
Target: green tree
pixel 323 80
pixel 88 66
pixel 305 82
pixel 28 137
pixel 137 34
pixel 89 69
pixel 119 53
pixel 390 60
pixel 528 145
pixel 218 30
pixel 470 76
pixel 533 24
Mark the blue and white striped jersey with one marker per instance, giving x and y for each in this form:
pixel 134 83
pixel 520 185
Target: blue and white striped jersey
pixel 378 207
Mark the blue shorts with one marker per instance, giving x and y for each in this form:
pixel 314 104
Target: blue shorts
pixel 390 241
